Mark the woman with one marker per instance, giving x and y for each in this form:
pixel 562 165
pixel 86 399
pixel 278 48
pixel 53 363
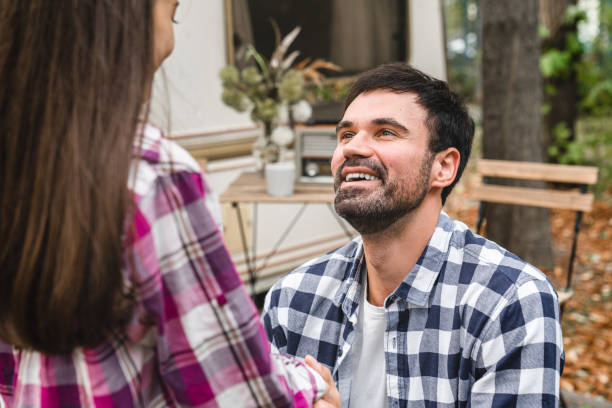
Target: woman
pixel 113 296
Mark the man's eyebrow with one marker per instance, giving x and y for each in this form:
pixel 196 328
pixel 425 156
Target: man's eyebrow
pixel 390 122
pixel 378 121
pixel 343 124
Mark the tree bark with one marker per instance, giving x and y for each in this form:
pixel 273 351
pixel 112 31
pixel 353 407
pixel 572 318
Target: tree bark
pixel 552 12
pixel 512 95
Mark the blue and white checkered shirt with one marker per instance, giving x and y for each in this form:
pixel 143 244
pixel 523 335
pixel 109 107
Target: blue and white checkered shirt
pixel 470 325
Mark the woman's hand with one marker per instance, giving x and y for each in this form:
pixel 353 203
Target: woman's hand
pixel 331 398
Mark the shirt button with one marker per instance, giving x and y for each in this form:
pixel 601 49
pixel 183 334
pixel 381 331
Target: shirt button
pixel 339 352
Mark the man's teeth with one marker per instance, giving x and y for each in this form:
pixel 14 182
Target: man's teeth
pixel 360 176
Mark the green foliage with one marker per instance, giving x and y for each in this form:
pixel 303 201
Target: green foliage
pixel 463 78
pixel 265 84
pixel 593 146
pixel 564 150
pixel 229 76
pixel 592 66
pixel 330 90
pixel 251 76
pixel 574 15
pixel 259 59
pixel 291 86
pixel 463 33
pixel 543 32
pixel 264 110
pixel 595 70
pixel 234 98
pixel 560 63
pixel 598 100
pixel 555 63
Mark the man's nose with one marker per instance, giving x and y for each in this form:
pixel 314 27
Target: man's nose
pixel 358 145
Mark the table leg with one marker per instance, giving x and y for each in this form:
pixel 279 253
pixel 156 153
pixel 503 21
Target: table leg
pixel 247 255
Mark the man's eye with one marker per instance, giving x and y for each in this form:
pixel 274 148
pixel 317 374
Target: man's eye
pixel 387 132
pixel 345 135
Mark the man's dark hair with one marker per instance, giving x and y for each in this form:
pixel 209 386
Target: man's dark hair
pixel 448 122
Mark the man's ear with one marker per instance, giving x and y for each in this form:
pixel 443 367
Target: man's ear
pixel 444 168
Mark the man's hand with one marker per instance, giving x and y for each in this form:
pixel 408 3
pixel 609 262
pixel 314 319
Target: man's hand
pixel 332 396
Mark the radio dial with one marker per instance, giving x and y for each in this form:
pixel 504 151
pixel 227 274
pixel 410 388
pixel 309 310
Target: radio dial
pixel 312 169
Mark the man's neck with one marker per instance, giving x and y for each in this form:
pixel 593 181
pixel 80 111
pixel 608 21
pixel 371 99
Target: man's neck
pixel 391 254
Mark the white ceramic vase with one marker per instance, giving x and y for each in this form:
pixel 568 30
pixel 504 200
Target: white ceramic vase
pixel 280 178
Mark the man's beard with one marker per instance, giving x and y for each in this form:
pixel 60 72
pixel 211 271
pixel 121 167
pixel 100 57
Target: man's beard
pixel 373 211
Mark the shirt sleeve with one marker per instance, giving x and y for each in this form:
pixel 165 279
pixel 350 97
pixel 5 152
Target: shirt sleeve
pixel 520 359
pixel 211 346
pixel 269 318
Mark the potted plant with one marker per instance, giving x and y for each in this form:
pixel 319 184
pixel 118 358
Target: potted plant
pixel 273 92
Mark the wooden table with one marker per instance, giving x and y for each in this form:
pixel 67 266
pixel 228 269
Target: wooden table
pixel 249 188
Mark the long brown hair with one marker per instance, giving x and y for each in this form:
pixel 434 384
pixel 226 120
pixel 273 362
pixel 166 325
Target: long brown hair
pixel 73 77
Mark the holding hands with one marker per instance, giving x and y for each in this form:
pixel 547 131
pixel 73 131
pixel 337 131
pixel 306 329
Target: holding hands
pixel 332 396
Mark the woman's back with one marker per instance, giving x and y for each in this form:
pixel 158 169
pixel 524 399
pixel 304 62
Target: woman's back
pixel 195 337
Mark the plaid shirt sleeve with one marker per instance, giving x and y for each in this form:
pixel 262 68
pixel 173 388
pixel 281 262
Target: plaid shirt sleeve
pixel 211 346
pixel 519 360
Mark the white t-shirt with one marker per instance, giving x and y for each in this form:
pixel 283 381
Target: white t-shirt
pixel 368 387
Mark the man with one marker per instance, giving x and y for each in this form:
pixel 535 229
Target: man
pixel 418 311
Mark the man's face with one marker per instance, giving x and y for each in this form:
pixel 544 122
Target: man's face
pixel 382 162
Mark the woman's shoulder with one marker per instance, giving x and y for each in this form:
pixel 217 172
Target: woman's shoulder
pixel 155 157
pixel 154 147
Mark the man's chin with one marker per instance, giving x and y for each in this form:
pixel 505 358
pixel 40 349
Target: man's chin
pixel 363 222
pixel 348 192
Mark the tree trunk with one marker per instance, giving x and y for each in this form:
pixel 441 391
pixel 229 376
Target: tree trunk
pixel 512 95
pixel 562 95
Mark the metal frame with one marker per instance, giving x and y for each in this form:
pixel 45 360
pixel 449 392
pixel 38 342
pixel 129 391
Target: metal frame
pixel 251 255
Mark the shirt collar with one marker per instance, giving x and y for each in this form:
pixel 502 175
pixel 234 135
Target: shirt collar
pixel 349 290
pixel 147 143
pixel 416 286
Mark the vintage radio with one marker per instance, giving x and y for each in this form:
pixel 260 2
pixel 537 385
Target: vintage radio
pixel 314 146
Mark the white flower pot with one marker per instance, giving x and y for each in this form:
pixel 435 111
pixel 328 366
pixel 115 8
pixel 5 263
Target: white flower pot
pixel 280 178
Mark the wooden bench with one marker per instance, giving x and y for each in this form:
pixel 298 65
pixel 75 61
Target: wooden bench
pixel 578 200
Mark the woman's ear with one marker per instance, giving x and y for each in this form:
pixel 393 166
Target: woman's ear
pixel 444 168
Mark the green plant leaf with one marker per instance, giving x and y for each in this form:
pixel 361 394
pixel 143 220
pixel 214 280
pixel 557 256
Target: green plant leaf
pixel 553 151
pixel 555 63
pixel 562 132
pixel 550 89
pixel 260 59
pixel 543 32
pixel 572 44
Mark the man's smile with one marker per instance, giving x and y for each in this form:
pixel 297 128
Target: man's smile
pixel 359 176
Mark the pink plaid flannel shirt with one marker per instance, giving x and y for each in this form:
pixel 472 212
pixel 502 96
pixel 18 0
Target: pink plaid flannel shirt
pixel 205 345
